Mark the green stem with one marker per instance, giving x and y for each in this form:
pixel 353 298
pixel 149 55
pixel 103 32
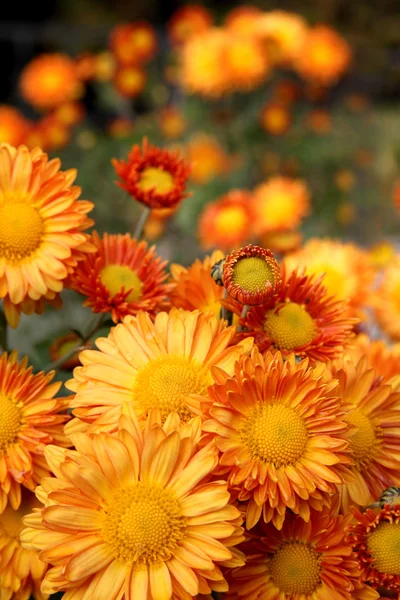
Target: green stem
pixel 96 324
pixel 137 234
pixel 3 331
pixel 245 310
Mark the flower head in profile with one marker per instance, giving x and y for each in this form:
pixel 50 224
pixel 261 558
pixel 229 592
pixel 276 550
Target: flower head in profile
pixel 301 318
pixel 375 438
pixel 21 571
pixel 42 225
pixel 386 300
pixel 152 365
pixel 31 418
pixel 188 21
pixel 251 275
pixel 50 80
pixel 375 539
pixel 152 176
pixel 122 277
pixel 195 288
pixel 282 434
pixel 303 561
pixel 228 222
pixel 135 515
pixel 280 204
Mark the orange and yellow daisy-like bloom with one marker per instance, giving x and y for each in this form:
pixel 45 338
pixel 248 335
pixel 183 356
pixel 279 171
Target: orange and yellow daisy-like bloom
pixel 386 300
pixel 383 358
pixel 207 158
pixel 155 177
pixel 152 365
pixel 375 441
pixel 303 561
pixel 195 288
pixel 375 539
pixel 284 34
pixel 133 43
pixel 21 571
pixel 13 126
pixel 251 275
pixel 242 20
pixel 188 21
pixel 246 62
pixel 301 318
pixel 134 515
pixel 347 269
pixel 50 80
pixel 130 80
pixel 275 118
pixel 172 122
pixel 227 223
pixel 122 277
pixel 280 203
pixel 324 57
pixel 282 435
pixel 42 225
pixel 31 418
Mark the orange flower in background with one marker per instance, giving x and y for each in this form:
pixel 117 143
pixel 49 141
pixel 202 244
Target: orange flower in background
pixel 152 365
pixel 347 269
pixel 251 275
pixel 105 66
pixel 374 538
pixel 242 20
pixel 301 318
pixel 284 34
pixel 31 419
pixel 375 442
pixel 282 241
pixel 135 515
pixel 21 571
pixel 383 358
pixel 287 91
pixel 228 222
pixel 13 126
pixel 130 81
pixel 50 80
pixel 120 127
pixel 275 118
pixel 282 434
pixel 208 159
pixel 42 225
pixel 280 203
pixel 386 300
pixel 245 62
pixel 382 253
pixel 303 561
pixel 62 346
pixel 133 43
pixel 85 64
pixel 122 277
pixel 320 121
pixel 194 286
pixel 324 57
pixel 152 176
pixel 69 113
pixel 172 122
pixel 50 132
pixel 188 21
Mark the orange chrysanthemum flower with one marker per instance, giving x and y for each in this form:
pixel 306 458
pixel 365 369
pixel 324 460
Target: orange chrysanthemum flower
pixel 41 229
pixel 172 122
pixel 207 158
pixel 135 516
pixel 384 359
pixel 375 441
pixel 282 435
pixel 130 80
pixel 152 365
pixel 246 62
pixel 21 571
pixel 275 118
pixel 324 57
pixel 280 203
pixel 386 300
pixel 133 43
pixel 301 318
pixel 30 419
pixel 194 286
pixel 251 275
pixel 122 277
pixel 347 269
pixel 188 21
pixel 227 223
pixel 284 33
pixel 13 126
pixel 153 176
pixel 282 241
pixel 304 561
pixel 242 20
pixel 50 80
pixel 375 539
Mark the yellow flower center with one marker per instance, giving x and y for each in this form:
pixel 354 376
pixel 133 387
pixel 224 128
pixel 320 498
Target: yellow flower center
pixel 363 441
pixel 144 524
pixel 252 274
pixel 116 277
pixel 383 543
pixel 295 568
pixel 290 326
pixel 278 209
pixel 276 434
pixel 21 230
pixel 155 178
pixel 230 220
pixel 66 347
pixel 164 382
pixel 10 422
